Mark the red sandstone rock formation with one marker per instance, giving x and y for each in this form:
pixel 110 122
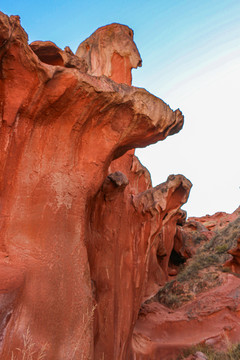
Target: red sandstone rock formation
pixel 190 234
pixel 110 51
pixel 51 54
pixel 127 272
pixel 172 243
pixel 211 319
pixel 201 229
pixel 218 220
pixel 85 239
pixel 234 263
pixel 127 215
pixel 79 221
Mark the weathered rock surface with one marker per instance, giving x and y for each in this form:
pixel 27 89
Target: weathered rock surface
pixel 85 239
pixel 79 221
pixel 127 272
pixel 51 54
pixel 197 230
pixel 110 51
pixel 234 263
pixel 211 319
pixel 172 248
pixel 127 214
pixel 201 305
pixel 216 221
pixel 189 234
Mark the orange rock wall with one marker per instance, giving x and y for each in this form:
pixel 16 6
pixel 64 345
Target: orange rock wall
pixel 85 238
pixel 75 244
pixel 125 225
pixel 124 232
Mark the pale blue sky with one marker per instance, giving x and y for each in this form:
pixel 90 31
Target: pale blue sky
pixel 191 59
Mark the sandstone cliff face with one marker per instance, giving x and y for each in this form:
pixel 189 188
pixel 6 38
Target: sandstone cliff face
pixel 127 272
pixel 80 222
pixel 86 242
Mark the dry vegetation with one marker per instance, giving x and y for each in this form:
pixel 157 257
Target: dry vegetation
pixel 233 352
pixel 203 270
pixel 29 352
pixel 214 252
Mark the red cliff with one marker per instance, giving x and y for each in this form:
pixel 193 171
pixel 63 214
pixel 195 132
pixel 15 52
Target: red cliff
pixel 79 219
pixel 86 242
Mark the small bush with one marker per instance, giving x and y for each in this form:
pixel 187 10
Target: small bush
pixel 202 271
pixel 172 300
pixel 199 262
pixel 232 353
pixel 198 238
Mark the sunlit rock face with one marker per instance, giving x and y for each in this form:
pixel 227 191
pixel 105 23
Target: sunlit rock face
pixel 127 215
pixel 126 271
pixel 51 54
pixel 172 249
pixel 80 221
pixel 110 51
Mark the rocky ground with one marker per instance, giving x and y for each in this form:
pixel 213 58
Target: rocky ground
pixel 199 308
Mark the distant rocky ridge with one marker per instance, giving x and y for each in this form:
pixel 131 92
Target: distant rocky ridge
pixel 86 242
